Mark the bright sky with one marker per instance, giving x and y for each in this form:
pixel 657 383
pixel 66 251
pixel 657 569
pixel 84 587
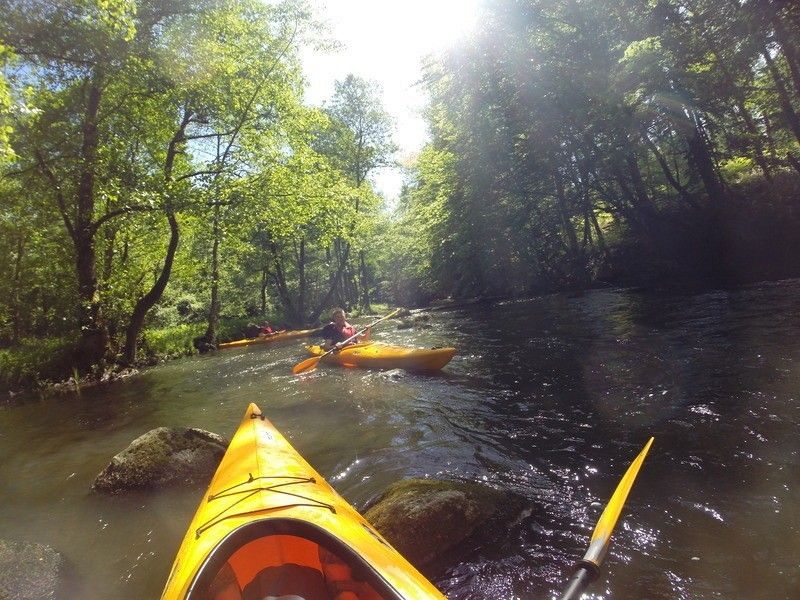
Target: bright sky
pixel 385 41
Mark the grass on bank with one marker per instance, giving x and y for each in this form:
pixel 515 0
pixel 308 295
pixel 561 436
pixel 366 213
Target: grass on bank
pixel 37 363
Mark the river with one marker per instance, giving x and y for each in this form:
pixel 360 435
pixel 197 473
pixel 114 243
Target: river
pixel 550 398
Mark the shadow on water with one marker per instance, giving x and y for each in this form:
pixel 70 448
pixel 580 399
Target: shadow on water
pixel 548 398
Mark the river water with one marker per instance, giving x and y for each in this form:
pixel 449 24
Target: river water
pixel 549 398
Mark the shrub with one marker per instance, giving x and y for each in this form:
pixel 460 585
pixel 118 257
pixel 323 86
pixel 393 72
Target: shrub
pixel 171 342
pixel 35 362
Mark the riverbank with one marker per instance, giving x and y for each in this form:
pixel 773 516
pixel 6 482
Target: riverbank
pixel 47 365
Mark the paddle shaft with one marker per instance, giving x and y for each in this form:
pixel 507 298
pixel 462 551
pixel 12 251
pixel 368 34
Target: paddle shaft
pixel 358 333
pixel 588 568
pixel 579 582
pixel 310 364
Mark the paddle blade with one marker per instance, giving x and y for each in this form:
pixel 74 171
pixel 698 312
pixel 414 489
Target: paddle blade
pixel 608 520
pixel 306 366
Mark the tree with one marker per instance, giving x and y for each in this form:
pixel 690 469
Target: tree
pixel 358 142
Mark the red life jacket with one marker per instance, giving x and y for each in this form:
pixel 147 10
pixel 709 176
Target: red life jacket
pixel 336 334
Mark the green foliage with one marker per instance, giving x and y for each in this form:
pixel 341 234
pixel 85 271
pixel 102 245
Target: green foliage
pixel 158 159
pixel 35 362
pixel 577 141
pixel 171 342
pixel 738 168
pixel 6 152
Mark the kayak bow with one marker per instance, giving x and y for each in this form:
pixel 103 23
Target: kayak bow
pixel 271 526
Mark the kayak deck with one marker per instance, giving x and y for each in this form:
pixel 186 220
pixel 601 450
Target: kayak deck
pixel 266 339
pixel 269 526
pixel 373 355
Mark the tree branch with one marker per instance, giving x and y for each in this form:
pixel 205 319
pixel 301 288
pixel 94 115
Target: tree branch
pixel 119 211
pixel 62 205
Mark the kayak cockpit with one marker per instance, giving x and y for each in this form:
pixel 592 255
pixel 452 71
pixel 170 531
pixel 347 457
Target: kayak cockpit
pixel 286 559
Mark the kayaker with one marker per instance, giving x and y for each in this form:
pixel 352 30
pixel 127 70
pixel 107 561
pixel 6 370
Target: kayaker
pixel 338 330
pixel 265 329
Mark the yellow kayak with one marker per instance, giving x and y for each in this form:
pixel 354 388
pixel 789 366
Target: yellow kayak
pixel 373 355
pixel 269 526
pixel 265 339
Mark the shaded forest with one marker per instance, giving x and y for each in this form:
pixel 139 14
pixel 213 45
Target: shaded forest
pixel 577 143
pixel 164 182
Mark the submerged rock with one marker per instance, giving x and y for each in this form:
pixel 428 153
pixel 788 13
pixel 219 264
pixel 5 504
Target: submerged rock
pixel 420 321
pixel 424 518
pixel 163 456
pixel 30 571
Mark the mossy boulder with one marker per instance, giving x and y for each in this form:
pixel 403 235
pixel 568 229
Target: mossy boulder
pixel 425 518
pixel 30 571
pixel 163 457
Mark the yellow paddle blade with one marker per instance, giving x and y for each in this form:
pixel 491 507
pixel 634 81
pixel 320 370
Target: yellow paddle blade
pixel 307 365
pixel 608 520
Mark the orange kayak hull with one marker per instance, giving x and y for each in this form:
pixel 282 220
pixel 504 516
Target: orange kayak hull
pixel 384 356
pixel 267 512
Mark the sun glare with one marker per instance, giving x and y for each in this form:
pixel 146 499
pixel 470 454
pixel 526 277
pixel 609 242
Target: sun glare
pixel 440 24
pixel 386 41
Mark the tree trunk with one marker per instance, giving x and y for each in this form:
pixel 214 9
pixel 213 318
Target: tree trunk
pixel 684 193
pixel 789 51
pixel 773 149
pixel 700 158
pixel 301 270
pixel 759 155
pixel 365 303
pixel 564 215
pixel 792 120
pixel 92 345
pixel 324 303
pixel 283 290
pixel 643 201
pixel 17 331
pixel 210 336
pixel 108 255
pixel 263 290
pixel 150 299
pixel 793 161
pixel 598 232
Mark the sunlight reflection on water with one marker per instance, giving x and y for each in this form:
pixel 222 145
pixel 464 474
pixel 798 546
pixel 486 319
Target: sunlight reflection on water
pixel 548 398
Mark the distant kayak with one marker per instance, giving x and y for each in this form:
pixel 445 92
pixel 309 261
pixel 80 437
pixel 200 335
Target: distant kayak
pixel 269 526
pixel 373 355
pixel 266 339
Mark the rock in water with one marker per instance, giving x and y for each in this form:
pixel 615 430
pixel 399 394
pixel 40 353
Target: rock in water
pixel 163 456
pixel 30 571
pixel 423 518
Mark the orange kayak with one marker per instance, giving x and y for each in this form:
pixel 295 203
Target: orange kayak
pixel 266 339
pixel 373 355
pixel 269 526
